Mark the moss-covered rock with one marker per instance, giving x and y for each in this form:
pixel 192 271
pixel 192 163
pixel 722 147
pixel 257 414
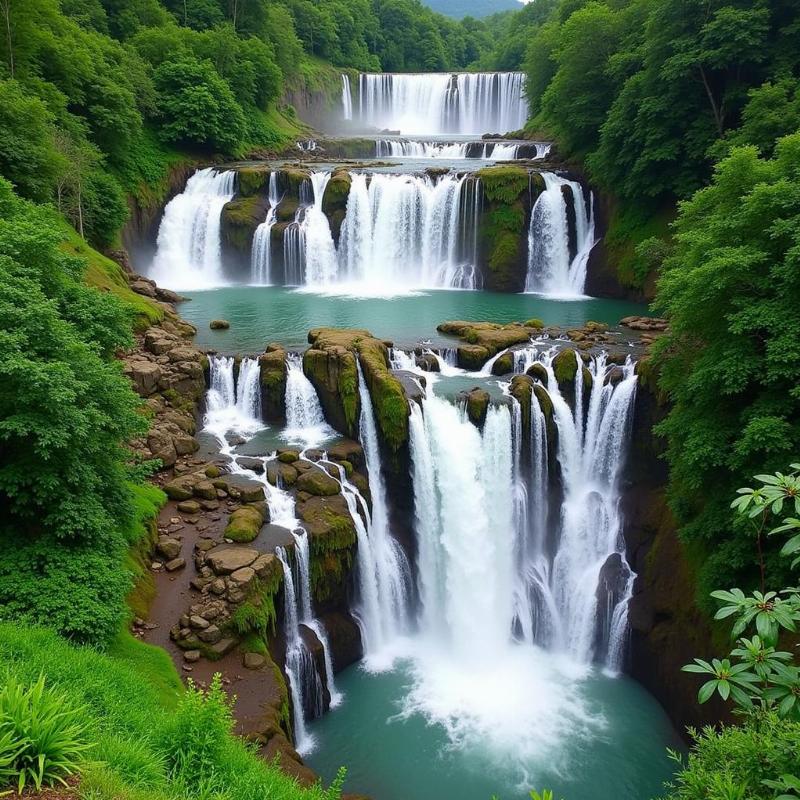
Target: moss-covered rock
pixel 504 364
pixel 472 356
pixel 330 364
pixel 503 183
pixel 332 539
pixel 334 203
pixel 538 372
pixel 565 365
pixel 477 402
pixel 485 339
pixel 273 382
pixel 252 180
pixel 317 482
pixel 239 221
pixel 287 209
pixel 244 524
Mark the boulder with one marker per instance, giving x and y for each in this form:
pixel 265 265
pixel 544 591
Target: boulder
pixel 205 490
pixel 477 402
pixel 219 325
pixel 504 364
pixel 317 482
pixel 273 382
pixel 189 507
pixel 244 524
pixel 225 560
pixel 168 547
pixel 175 564
pixel 253 661
pixel 181 488
pixel 145 376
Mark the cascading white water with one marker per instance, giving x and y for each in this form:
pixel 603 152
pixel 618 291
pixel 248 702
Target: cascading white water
pixel 305 420
pixel 410 230
pixel 294 240
pixel 321 259
pixel 261 256
pixel 188 254
pixel 442 103
pixel 383 569
pixel 233 407
pixel 305 685
pixel 558 553
pixel 483 151
pixel 465 532
pixel 553 268
pixel 347 98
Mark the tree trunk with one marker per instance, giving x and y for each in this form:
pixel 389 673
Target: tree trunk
pixel 80 212
pixel 715 110
pixel 7 13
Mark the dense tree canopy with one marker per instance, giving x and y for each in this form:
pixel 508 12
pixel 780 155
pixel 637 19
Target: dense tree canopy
pixel 731 289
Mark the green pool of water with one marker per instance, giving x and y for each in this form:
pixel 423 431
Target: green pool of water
pixel 610 744
pixel 260 315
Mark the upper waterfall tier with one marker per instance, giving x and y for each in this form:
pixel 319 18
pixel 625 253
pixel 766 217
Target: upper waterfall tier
pixel 439 103
pixel 502 228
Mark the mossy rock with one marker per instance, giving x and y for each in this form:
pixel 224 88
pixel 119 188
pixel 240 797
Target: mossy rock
pixel 279 473
pixel 251 180
pixel 534 323
pixel 244 524
pixel 504 364
pixel 273 382
pixel 288 456
pixel 336 193
pixel 286 210
pixel 472 356
pixel 330 364
pixel 521 388
pixel 333 373
pixel 239 221
pixel 503 183
pixel 317 482
pixel 539 372
pixel 219 325
pixel 565 366
pixel 477 401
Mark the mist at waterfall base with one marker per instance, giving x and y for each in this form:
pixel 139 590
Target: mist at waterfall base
pixel 617 752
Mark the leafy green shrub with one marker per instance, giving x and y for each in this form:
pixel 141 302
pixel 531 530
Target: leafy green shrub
pixel 736 761
pixel 44 739
pixel 198 737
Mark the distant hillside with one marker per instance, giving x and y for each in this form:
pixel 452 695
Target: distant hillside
pixel 472 8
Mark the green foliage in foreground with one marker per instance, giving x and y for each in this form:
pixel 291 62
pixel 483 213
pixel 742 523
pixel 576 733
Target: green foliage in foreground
pixel 731 289
pixel 760 759
pixel 757 676
pixel 148 738
pixel 41 738
pixel 739 762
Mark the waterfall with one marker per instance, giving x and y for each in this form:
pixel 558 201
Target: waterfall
pixel 410 230
pixel 261 257
pixel 188 247
pixel 553 267
pixel 383 570
pixel 500 554
pixel 294 240
pixel 233 407
pixel 347 98
pixel 321 260
pixel 465 532
pixel 443 103
pixel 305 685
pixel 305 420
pixel 483 151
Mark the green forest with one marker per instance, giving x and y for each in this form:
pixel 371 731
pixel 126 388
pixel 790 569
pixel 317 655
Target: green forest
pixel 684 118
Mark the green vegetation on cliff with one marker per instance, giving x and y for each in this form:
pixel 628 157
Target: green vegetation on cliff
pixel 730 362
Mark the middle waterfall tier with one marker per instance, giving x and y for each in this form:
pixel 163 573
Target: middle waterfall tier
pixel 503 228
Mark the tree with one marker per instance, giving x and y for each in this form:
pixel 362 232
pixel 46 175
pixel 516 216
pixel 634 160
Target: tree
pixel 731 289
pixel 62 453
pixel 28 156
pixel 196 106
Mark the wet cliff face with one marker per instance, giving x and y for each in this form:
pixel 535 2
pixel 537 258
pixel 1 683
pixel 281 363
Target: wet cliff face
pixel 667 628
